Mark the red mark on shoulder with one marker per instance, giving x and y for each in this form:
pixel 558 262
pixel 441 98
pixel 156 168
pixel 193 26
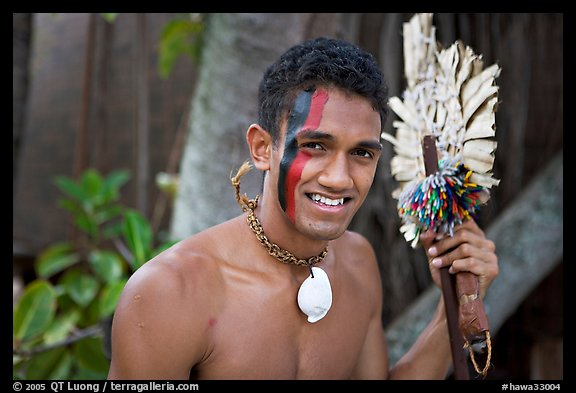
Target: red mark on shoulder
pixel 212 322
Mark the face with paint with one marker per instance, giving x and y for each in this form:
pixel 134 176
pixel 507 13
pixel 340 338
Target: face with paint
pixel 326 160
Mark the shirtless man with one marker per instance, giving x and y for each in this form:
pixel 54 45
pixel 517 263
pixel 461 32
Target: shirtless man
pixel 221 305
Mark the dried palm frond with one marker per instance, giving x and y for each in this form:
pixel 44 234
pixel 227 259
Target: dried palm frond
pixel 451 96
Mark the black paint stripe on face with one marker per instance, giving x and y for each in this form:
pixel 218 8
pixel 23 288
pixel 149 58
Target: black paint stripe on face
pixel 298 117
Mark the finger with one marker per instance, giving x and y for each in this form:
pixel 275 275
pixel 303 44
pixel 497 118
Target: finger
pixel 481 264
pixel 427 238
pixel 464 251
pixel 486 271
pixel 470 225
pixel 462 236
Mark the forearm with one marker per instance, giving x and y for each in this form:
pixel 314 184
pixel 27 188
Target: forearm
pixel 430 356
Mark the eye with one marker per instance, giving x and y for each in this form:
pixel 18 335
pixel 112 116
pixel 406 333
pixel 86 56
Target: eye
pixel 363 153
pixel 312 145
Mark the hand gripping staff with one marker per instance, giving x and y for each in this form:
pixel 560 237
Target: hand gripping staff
pixel 444 145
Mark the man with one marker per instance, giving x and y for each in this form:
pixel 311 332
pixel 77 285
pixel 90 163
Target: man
pixel 238 300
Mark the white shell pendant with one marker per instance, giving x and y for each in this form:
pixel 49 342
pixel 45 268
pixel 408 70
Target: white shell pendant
pixel 315 295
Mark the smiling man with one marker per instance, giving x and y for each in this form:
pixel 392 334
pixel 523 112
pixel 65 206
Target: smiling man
pixel 285 290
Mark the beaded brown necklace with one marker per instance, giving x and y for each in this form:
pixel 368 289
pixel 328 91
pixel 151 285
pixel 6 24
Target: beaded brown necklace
pixel 315 293
pixel 274 250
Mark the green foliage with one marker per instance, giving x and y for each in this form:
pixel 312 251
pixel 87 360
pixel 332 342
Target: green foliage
pixel 59 321
pixel 52 364
pixel 138 235
pixel 109 17
pixel 180 37
pixel 54 259
pixel 35 310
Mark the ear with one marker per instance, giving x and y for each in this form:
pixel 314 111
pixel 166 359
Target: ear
pixel 260 145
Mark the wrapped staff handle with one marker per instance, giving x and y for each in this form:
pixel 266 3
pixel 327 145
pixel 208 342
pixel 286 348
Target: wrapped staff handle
pixel 467 321
pixel 472 319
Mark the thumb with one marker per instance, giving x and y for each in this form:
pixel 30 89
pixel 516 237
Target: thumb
pixel 427 238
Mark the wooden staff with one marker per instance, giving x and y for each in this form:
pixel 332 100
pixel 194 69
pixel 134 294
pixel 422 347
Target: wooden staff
pixel 447 281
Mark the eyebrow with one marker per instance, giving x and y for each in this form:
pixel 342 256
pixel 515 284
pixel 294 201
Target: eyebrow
pixel 370 145
pixel 314 134
pixel 320 135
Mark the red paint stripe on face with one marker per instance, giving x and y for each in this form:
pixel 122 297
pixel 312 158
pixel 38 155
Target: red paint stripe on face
pixel 319 99
pixel 292 179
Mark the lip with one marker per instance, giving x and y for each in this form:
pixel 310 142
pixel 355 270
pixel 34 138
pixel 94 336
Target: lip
pixel 328 208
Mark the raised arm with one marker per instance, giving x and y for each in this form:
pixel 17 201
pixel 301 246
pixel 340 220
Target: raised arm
pixel 468 250
pixel 430 355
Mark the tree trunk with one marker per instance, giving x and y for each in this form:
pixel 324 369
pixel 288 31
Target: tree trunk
pixel 237 49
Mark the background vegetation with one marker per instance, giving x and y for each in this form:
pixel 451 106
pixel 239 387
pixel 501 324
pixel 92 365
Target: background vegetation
pixel 168 97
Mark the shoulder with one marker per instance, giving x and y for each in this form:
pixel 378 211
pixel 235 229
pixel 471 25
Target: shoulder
pixel 357 263
pixel 162 323
pixel 176 279
pixel 356 244
pixel 356 256
pixel 169 297
pixel 188 273
pixel 355 238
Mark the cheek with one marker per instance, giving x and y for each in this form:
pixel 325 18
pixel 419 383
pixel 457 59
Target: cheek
pixel 363 181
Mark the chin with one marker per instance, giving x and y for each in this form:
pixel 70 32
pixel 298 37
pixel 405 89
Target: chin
pixel 323 232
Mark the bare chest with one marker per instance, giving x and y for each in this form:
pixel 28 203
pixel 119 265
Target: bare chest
pixel 262 334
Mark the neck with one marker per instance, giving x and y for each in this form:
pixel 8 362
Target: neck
pixel 282 232
pixel 305 252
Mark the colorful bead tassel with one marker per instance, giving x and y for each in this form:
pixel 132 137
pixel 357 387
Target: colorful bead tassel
pixel 442 200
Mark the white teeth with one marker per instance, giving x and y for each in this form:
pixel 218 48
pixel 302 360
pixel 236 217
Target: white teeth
pixel 327 201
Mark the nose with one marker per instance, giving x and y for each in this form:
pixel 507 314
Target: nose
pixel 336 174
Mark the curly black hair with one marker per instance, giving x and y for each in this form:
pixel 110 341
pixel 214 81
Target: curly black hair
pixel 317 62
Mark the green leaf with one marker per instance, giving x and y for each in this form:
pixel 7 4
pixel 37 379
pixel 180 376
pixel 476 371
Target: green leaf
pixel 86 222
pixel 50 365
pixel 109 16
pixel 71 205
pixel 91 182
pixel 116 179
pixel 84 374
pixel 107 212
pixel 138 236
pixel 91 315
pixel 16 360
pixel 109 297
pixel 89 353
pixel 81 287
pixel 107 264
pixel 113 230
pixel 178 37
pixel 34 311
pixel 61 326
pixel 54 259
pixel 64 300
pixel 69 187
